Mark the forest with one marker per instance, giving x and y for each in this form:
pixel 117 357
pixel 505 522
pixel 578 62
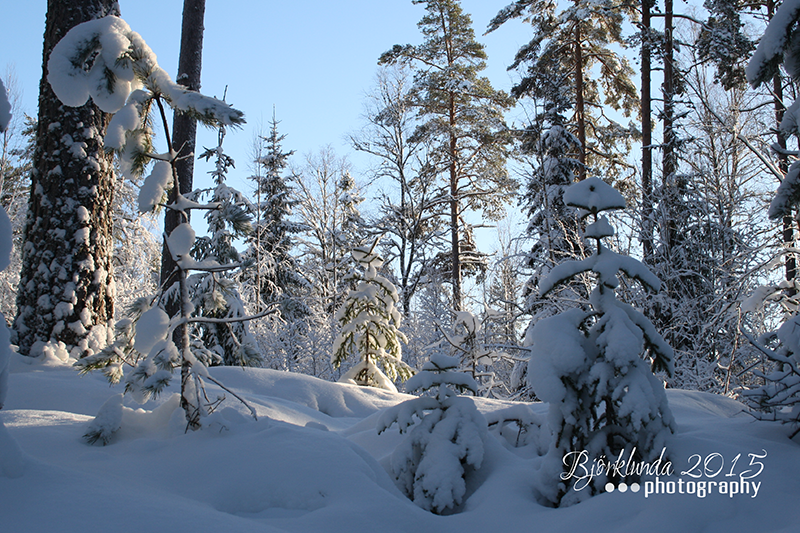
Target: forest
pixel 621 224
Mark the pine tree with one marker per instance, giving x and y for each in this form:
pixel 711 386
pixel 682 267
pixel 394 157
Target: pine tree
pixel 67 298
pixel 370 326
pixel 590 365
pixel 568 42
pixel 447 441
pixel 462 117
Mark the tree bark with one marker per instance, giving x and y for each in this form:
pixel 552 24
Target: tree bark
pixel 454 208
pixel 647 138
pixel 184 128
pixel 66 291
pixel 788 229
pixel 580 112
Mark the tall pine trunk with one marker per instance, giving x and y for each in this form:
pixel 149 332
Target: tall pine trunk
pixel 66 292
pixel 184 128
pixel 788 230
pixel 580 112
pixel 647 138
pixel 454 207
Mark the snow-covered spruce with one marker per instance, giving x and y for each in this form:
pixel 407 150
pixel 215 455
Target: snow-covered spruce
pixel 215 294
pixel 108 62
pixel 446 439
pixel 277 276
pixel 591 366
pixel 370 326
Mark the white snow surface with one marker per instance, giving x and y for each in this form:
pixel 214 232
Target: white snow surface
pixel 313 462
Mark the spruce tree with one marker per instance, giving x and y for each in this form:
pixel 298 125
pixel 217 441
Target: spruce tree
pixel 591 366
pixel 370 326
pixel 462 117
pixel 445 436
pixel 215 293
pixel 277 276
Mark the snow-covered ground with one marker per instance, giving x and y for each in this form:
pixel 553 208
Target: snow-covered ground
pixel 313 462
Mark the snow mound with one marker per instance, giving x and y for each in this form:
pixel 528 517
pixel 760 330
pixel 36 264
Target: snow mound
pixel 285 473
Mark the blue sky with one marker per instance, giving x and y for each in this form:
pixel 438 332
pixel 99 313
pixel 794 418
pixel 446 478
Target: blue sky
pixel 312 60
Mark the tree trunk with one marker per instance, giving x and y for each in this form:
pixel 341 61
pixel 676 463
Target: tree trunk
pixel 66 291
pixel 580 112
pixel 788 230
pixel 647 138
pixel 184 128
pixel 454 207
pixel 669 162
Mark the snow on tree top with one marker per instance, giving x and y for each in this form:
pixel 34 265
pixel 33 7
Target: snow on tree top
pixel 5 108
pixel 599 229
pixel 774 44
pixel 593 195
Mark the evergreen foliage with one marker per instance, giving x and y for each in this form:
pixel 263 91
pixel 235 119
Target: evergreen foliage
pixel 569 41
pixel 370 326
pixel 778 398
pixel 461 117
pixel 446 440
pixel 277 273
pixel 590 366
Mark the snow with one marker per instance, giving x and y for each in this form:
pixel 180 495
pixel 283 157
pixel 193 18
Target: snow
pixel 773 44
pixel 314 462
pixel 154 185
pixel 593 195
pixel 151 328
pixel 180 241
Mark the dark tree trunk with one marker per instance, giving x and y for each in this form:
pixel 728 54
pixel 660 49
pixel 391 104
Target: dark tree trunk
pixel 184 128
pixel 65 290
pixel 669 162
pixel 580 112
pixel 788 230
pixel 647 138
pixel 454 208
pixel 184 131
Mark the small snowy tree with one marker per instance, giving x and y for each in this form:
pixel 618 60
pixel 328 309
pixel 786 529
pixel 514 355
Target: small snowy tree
pixel 214 293
pixel 370 326
pixel 590 366
pixel 105 60
pixel 468 344
pixel 447 441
